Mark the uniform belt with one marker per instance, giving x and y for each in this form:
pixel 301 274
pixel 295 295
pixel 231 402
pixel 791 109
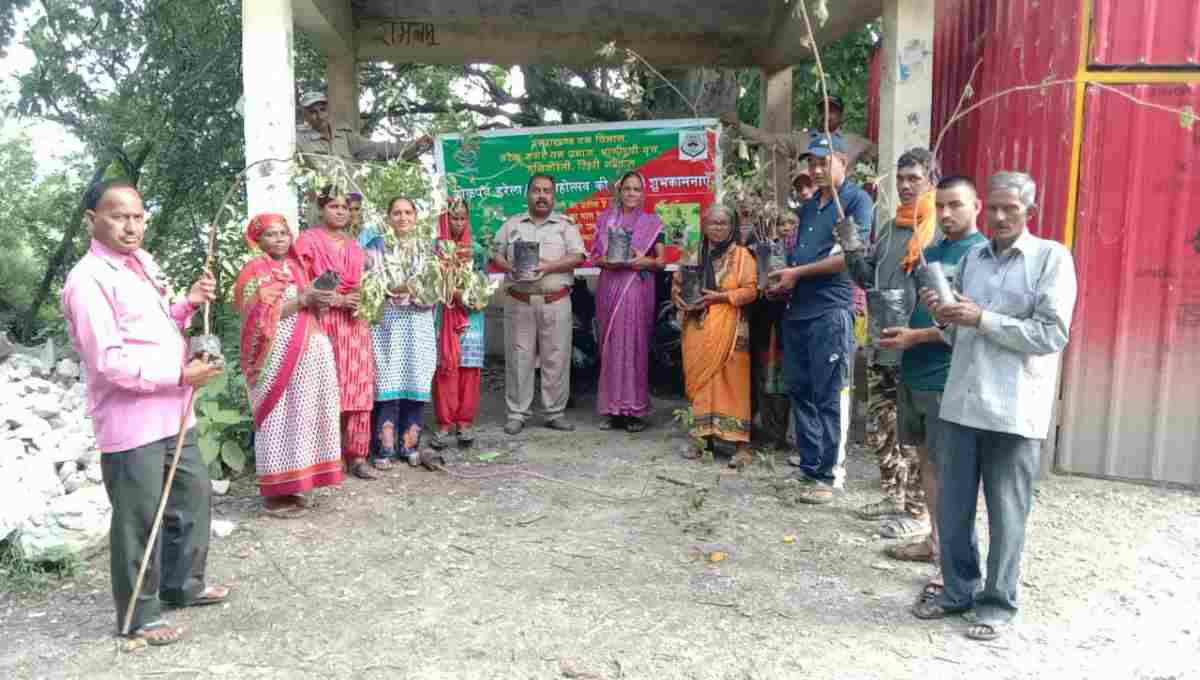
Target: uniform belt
pixel 547 298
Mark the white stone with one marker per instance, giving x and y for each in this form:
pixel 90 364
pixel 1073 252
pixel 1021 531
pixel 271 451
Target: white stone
pixel 27 483
pixel 47 356
pixel 67 369
pixel 37 386
pixel 222 528
pixel 94 474
pixel 220 486
pixel 75 482
pixel 67 469
pixel 76 524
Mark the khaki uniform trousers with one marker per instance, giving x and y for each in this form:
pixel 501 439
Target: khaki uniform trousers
pixel 536 335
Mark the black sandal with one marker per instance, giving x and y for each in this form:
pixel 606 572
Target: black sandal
pixel 364 472
pixel 634 425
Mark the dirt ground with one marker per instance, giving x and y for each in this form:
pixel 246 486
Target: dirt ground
pixel 425 575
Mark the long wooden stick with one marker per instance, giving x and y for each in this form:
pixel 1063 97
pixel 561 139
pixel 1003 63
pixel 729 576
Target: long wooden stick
pixel 162 507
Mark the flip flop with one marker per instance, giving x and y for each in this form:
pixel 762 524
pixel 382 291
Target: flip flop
pixel 929 609
pixel 285 512
pixel 158 633
pixel 986 631
pixel 210 595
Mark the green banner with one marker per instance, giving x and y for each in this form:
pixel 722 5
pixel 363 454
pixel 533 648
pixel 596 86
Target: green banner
pixel 678 158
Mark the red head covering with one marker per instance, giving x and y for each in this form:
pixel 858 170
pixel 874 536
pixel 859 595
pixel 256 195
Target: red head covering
pixel 259 225
pixel 444 232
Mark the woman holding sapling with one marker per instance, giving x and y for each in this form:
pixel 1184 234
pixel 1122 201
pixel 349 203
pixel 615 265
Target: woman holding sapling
pixel 625 304
pixel 291 376
pixel 716 337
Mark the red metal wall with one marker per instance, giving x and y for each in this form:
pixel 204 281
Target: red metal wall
pixel 1020 43
pixel 1132 375
pixel 1146 33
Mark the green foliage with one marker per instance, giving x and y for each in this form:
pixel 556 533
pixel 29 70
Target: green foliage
pixel 224 423
pixel 847 67
pixel 20 576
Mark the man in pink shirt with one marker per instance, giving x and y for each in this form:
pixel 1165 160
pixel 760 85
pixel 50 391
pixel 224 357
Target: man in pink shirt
pixel 132 345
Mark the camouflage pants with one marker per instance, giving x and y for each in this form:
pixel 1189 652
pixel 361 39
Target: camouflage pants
pixel 899 464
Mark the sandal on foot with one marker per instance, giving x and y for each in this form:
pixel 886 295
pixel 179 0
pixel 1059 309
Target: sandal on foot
pixel 884 508
pixel 918 551
pixel 381 463
pixel 635 425
pixel 610 423
pixel 439 439
pixel 986 631
pixel 929 609
pixel 904 527
pixel 285 511
pixel 364 472
pixel 210 595
pixel 794 461
pixel 741 459
pixel 158 633
pixel 466 436
pixel 933 589
pixel 817 493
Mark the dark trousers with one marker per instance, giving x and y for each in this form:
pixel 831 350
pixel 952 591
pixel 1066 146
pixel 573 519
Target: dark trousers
pixel 397 415
pixel 816 366
pixel 134 480
pixel 1006 464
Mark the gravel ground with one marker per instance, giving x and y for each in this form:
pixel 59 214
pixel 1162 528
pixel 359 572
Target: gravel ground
pixel 425 575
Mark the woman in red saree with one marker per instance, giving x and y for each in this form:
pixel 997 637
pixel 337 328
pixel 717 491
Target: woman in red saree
pixel 329 247
pixel 290 374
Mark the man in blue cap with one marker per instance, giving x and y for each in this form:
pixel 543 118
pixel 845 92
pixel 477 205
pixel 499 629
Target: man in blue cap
pixel 818 326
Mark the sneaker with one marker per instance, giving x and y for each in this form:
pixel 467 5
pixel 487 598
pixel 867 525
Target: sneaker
pixel 466 436
pixel 513 426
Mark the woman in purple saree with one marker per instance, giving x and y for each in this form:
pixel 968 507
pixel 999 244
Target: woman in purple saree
pixel 625 305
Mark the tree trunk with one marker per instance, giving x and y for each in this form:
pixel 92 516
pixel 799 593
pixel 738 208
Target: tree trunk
pixel 57 260
pixel 711 91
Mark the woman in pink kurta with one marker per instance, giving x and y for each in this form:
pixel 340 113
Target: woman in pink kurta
pixel 329 246
pixel 625 306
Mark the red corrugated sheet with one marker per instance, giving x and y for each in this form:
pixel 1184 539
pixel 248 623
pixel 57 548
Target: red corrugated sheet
pixel 1146 33
pixel 1020 43
pixel 1132 376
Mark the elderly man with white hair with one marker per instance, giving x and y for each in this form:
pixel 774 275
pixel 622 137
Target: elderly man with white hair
pixel 1008 325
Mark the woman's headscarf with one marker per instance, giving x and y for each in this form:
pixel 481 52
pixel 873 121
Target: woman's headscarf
pixel 260 224
pixel 445 233
pixel 710 253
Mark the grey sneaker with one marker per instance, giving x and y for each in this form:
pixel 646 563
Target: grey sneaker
pixel 513 426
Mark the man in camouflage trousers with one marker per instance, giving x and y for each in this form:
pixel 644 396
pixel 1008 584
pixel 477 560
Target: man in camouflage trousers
pixel 885 269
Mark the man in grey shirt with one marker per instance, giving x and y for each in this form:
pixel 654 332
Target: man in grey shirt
pixel 1015 296
pixel 884 269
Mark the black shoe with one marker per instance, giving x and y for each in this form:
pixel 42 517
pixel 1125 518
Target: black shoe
pixel 560 424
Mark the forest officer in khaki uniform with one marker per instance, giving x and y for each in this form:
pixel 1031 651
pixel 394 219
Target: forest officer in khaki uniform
pixel 537 311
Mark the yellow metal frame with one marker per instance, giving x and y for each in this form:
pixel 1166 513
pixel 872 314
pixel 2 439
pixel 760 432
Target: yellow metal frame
pixel 1083 76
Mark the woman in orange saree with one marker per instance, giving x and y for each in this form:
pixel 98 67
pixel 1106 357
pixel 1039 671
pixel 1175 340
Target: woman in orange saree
pixel 716 337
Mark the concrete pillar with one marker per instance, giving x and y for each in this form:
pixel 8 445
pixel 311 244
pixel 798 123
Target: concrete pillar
pixel 775 115
pixel 906 87
pixel 268 82
pixel 342 77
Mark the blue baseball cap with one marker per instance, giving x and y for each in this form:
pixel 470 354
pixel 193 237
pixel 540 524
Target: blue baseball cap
pixel 823 145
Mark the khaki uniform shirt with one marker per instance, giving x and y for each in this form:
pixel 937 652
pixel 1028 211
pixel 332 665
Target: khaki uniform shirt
pixel 350 147
pixel 557 237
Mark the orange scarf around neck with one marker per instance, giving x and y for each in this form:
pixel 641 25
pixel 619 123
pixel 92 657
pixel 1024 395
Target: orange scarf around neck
pixel 921 217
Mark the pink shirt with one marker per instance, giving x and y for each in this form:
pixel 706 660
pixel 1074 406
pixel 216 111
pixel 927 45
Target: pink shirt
pixel 131 342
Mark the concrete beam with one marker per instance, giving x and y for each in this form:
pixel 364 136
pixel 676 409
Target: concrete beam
pixel 431 43
pixel 906 85
pixel 330 23
pixel 268 84
pixel 775 115
pixel 341 76
pixel 788 29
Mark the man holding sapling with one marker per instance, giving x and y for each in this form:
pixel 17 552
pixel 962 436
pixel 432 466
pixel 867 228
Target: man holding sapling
pixel 1008 323
pixel 884 270
pixel 537 305
pixel 818 326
